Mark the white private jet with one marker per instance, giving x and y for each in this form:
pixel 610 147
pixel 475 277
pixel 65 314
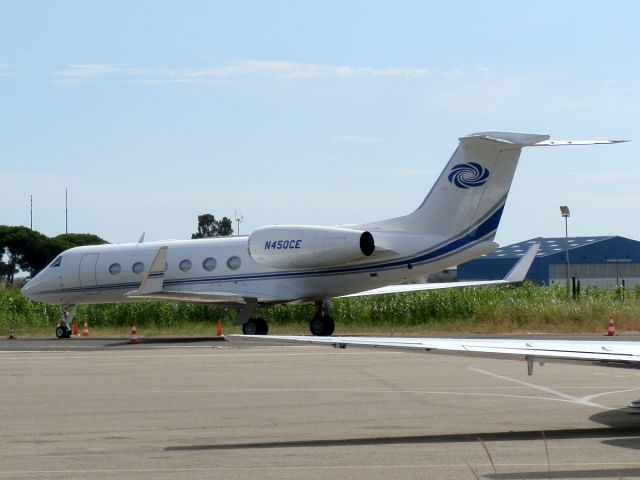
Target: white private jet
pixel 606 353
pixel 281 264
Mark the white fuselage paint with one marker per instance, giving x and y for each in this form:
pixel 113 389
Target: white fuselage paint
pixel 83 275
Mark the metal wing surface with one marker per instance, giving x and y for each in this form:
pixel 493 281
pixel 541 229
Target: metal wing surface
pixel 517 274
pixel 614 353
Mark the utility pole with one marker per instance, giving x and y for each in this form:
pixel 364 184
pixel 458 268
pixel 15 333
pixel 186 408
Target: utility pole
pixel 564 211
pixel 31 213
pixel 66 212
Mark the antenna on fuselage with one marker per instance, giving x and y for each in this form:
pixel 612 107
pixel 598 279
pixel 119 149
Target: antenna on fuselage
pixel 141 239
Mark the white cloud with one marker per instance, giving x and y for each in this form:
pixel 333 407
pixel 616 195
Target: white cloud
pixel 234 69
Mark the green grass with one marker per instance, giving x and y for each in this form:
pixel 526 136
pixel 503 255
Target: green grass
pixel 528 308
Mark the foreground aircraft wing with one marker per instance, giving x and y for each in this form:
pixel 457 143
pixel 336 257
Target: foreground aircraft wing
pixel 516 275
pixel 612 353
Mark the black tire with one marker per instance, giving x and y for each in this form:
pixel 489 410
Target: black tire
pixel 329 326
pixel 317 325
pixel 250 328
pixel 262 326
pixel 62 332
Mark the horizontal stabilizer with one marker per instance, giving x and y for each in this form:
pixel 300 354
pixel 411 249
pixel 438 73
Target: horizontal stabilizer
pixel 560 143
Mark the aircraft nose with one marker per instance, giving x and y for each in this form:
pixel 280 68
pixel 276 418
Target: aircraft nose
pixel 27 289
pixel 30 289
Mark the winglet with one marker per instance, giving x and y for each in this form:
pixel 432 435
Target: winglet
pixel 520 269
pixel 153 280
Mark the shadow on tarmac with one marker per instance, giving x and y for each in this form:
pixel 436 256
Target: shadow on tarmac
pixel 622 429
pixel 620 424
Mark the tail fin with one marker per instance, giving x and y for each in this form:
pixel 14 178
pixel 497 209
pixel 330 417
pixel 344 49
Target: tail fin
pixel 469 196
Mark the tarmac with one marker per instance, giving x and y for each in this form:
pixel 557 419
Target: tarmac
pixel 93 408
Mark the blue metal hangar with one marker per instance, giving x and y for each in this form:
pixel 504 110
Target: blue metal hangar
pixel 602 262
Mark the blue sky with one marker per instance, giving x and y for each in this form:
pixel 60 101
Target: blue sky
pixel 290 112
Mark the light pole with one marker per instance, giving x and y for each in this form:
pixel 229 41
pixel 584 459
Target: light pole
pixel 239 220
pixel 564 211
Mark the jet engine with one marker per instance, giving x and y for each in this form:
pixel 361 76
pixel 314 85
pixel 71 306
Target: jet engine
pixel 291 246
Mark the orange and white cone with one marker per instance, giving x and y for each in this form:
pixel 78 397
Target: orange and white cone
pixel 75 329
pixel 12 334
pixel 611 328
pixel 85 329
pixel 219 329
pixel 134 336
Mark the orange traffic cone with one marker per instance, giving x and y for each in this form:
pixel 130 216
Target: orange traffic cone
pixel 219 329
pixel 75 329
pixel 85 329
pixel 134 336
pixel 12 334
pixel 611 328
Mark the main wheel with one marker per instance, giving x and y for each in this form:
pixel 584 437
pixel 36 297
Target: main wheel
pixel 250 328
pixel 255 326
pixel 262 326
pixel 329 326
pixel 321 326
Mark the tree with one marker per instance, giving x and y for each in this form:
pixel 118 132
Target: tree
pixel 208 226
pixel 29 250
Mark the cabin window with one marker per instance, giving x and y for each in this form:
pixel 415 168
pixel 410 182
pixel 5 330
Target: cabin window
pixel 209 264
pixel 185 265
pixel 234 263
pixel 115 269
pixel 56 262
pixel 138 267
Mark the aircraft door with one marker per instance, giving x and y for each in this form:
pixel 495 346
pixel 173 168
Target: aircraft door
pixel 87 273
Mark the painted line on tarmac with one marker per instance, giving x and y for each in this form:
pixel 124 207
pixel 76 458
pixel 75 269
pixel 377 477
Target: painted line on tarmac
pixel 62 356
pixel 559 395
pixel 581 466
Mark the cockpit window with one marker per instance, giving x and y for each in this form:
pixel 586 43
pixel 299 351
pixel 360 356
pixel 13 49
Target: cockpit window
pixel 56 262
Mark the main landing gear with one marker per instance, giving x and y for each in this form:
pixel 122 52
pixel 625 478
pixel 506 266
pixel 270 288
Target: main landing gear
pixel 63 330
pixel 255 326
pixel 251 325
pixel 321 324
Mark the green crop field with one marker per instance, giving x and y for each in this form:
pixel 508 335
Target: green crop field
pixel 527 308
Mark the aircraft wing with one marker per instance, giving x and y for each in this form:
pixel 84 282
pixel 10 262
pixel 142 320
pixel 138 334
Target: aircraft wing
pixel 517 274
pixel 191 297
pixel 152 288
pixel 612 353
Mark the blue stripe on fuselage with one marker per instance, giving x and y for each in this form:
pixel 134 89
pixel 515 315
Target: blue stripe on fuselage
pixel 473 236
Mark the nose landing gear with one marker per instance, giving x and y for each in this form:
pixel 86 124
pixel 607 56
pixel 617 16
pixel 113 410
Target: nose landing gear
pixel 63 330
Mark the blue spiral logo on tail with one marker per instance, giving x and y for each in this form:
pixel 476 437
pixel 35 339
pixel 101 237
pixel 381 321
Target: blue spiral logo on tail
pixel 467 175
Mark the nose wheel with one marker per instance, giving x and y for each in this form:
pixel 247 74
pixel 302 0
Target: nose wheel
pixel 63 330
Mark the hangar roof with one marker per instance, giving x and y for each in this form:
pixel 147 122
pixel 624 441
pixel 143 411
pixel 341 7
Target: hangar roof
pixel 548 246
